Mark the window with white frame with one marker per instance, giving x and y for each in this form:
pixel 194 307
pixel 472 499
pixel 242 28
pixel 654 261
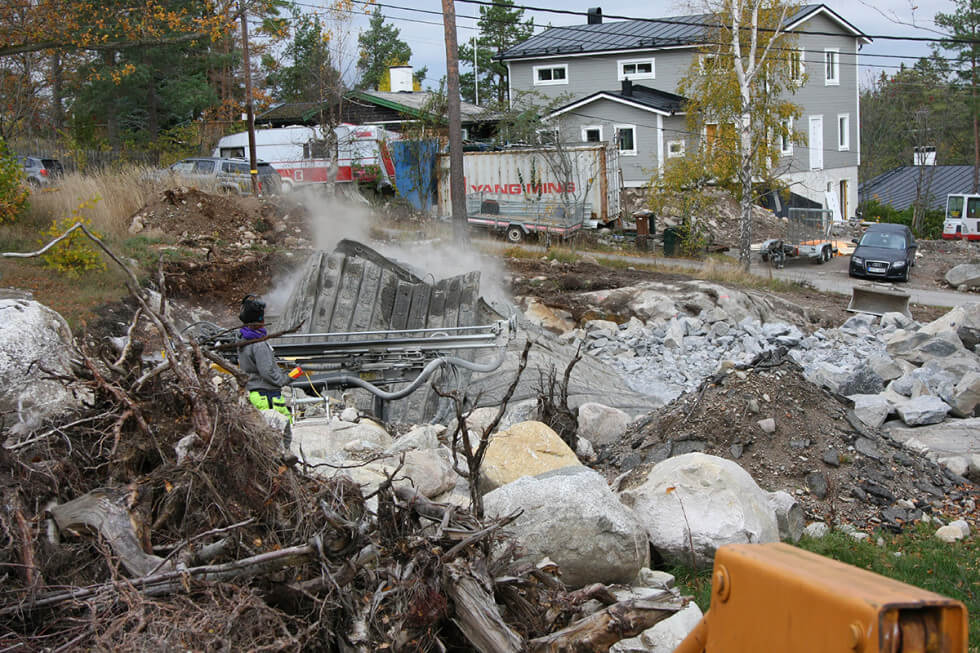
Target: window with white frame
pixel 592 133
pixel 551 75
pixel 797 65
pixel 786 136
pixel 831 67
pixel 843 132
pixel 635 69
pixel 626 138
pixel 675 149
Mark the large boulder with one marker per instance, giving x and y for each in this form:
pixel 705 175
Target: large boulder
pixel 525 449
pixel 964 274
pixel 702 500
pixel 600 424
pixel 572 517
pixel 871 409
pixel 32 337
pixel 326 439
pixel 952 440
pixel 859 379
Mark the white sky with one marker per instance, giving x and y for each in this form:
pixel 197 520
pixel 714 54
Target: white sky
pixel 888 17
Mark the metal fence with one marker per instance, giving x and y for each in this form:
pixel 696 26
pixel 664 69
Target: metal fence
pixel 808 224
pixel 553 212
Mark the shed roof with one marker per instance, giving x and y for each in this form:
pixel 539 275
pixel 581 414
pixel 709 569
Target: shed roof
pixel 897 187
pixel 641 97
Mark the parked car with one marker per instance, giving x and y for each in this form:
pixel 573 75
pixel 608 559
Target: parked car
pixel 885 251
pixel 226 175
pixel 40 171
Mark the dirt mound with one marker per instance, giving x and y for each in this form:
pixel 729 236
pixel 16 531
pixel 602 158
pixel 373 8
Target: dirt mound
pixel 836 467
pixel 722 220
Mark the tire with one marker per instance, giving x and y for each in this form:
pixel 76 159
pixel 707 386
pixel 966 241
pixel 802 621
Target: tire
pixel 827 255
pixel 515 234
pixel 908 273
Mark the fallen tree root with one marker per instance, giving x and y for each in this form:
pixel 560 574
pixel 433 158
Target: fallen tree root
pixel 597 632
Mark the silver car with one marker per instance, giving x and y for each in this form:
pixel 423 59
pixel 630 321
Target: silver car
pixel 40 171
pixel 226 175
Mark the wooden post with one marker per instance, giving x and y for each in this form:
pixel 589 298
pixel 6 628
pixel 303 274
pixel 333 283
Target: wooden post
pixel 457 188
pixel 249 113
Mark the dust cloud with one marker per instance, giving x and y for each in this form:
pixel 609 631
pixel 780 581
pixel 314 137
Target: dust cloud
pixel 348 215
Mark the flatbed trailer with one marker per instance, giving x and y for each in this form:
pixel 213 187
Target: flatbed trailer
pixel 807 236
pixel 518 219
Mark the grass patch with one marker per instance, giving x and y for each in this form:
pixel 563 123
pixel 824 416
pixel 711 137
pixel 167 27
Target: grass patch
pixel 120 193
pixel 952 570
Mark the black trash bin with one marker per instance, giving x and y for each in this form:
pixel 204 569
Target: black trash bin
pixel 672 239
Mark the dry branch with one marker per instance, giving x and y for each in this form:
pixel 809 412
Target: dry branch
pixel 476 613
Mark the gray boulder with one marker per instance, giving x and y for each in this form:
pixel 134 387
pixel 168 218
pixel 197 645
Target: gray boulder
pixel 789 515
pixel 885 366
pixel 871 409
pixel 925 409
pixel 326 439
pixel 955 438
pixel 572 517
pixel 860 379
pixel 700 499
pixel 964 399
pixel 32 335
pixel 601 425
pixel 964 274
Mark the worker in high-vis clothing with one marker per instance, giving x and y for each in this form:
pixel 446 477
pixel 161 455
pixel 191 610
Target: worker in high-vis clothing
pixel 265 378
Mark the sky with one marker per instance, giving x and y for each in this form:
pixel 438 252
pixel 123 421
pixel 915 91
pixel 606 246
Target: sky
pixel 424 31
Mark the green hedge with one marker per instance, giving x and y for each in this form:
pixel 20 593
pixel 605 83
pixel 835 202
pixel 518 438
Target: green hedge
pixel 932 226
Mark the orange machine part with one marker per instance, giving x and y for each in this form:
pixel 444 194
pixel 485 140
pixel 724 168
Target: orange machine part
pixel 778 598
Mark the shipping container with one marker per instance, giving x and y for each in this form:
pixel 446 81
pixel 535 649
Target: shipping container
pixel 585 175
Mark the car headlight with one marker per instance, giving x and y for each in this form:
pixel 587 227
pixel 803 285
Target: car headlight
pixel 857 259
pixel 898 264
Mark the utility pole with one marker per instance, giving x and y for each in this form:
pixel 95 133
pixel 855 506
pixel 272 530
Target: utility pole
pixel 249 113
pixel 457 188
pixel 476 76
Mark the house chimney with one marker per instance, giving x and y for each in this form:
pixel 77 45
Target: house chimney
pixel 595 16
pixel 627 87
pixel 401 79
pixel 924 156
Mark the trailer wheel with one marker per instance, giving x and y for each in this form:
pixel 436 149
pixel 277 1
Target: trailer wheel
pixel 515 234
pixel 777 259
pixel 827 254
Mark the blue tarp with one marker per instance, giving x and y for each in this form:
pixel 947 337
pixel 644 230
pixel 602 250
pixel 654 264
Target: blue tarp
pixel 415 171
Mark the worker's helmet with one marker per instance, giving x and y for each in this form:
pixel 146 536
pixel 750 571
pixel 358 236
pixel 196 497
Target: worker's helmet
pixel 253 310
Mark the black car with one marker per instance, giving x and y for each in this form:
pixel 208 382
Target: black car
pixel 885 251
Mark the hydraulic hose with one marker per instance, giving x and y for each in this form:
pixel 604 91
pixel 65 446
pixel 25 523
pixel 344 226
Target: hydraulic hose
pixel 427 371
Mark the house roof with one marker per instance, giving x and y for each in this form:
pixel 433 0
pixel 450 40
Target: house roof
pixel 897 187
pixel 654 33
pixel 412 104
pixel 635 95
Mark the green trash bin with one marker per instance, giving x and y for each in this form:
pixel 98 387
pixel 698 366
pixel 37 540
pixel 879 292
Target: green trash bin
pixel 672 239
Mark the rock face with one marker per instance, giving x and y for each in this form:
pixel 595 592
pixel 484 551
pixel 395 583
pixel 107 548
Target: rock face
pixel 32 334
pixel 601 425
pixel 700 499
pixel 951 440
pixel 525 449
pixel 572 517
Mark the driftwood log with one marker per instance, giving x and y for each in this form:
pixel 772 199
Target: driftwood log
pixel 476 613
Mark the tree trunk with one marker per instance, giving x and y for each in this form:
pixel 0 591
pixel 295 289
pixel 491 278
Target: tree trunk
pixel 57 106
pixel 745 179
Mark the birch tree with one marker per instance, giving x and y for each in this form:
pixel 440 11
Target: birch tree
pixel 737 92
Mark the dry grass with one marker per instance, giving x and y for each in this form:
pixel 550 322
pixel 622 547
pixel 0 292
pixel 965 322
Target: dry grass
pixel 121 193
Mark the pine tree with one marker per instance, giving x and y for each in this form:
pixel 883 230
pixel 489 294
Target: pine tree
pixel 501 26
pixel 380 48
pixel 963 26
pixel 310 77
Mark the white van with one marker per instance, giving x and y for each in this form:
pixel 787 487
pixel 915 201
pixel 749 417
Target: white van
pixel 298 153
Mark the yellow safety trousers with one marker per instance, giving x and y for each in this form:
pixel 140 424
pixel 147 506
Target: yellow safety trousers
pixel 261 402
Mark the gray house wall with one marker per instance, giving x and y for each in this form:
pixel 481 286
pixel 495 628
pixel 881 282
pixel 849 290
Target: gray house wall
pixel 589 73
pixel 599 72
pixel 637 169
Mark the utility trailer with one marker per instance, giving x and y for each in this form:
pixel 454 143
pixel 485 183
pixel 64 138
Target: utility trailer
pixel 807 235
pixel 518 219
